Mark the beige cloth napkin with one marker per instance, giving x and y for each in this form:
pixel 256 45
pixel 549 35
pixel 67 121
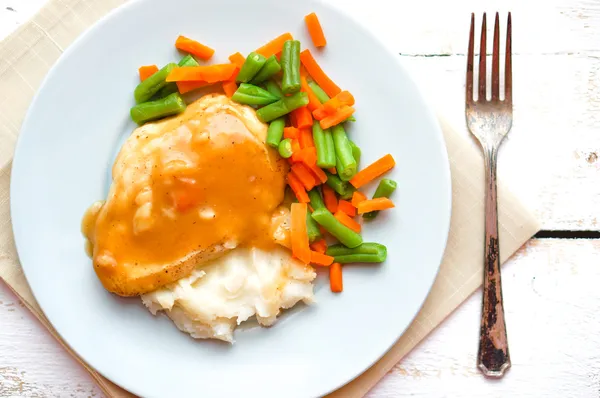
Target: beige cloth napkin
pixel 26 56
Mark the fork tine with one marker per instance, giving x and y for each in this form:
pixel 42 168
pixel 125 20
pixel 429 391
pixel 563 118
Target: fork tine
pixel 496 61
pixel 482 57
pixel 469 82
pixel 508 62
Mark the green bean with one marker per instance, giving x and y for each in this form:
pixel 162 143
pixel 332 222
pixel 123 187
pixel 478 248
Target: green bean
pixel 275 132
pixel 343 151
pixel 273 88
pixel 285 148
pixel 250 67
pixel 384 190
pixel 171 87
pixel 282 107
pixel 312 228
pixel 347 195
pixel 188 60
pixel 269 69
pixel 335 183
pixel 318 91
pixel 365 253
pixel 253 95
pixel 356 152
pixel 324 144
pixel 152 110
pixel 316 201
pixel 344 234
pixel 290 63
pixel 146 89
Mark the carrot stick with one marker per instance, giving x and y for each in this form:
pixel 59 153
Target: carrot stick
pixel 313 101
pixel 319 246
pixel 347 220
pixel 335 278
pixel 293 121
pixel 343 98
pixel 295 147
pixel 229 87
pixel 318 173
pixel 193 47
pixel 332 170
pixel 375 204
pixel 304 175
pixel 297 188
pixel 306 138
pixel 209 73
pixel 320 258
pixel 275 45
pixel 303 117
pixel 315 30
pixel 185 87
pixel 237 59
pixel 147 71
pixel 315 71
pixel 343 113
pixel 329 198
pixel 346 207
pixel 373 171
pixel 320 113
pixel 307 156
pixel 291 132
pixel 358 197
pixel 299 235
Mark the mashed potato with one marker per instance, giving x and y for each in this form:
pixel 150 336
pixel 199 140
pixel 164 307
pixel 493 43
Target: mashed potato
pixel 217 297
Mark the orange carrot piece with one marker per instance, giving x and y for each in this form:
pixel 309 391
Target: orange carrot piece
pixel 291 132
pixel 347 220
pixel 315 71
pixel 320 258
pixel 335 278
pixel 320 113
pixel 238 59
pixel 343 113
pixel 299 235
pixel 358 197
pixel 313 101
pixel 297 188
pixel 316 31
pixel 308 156
pixel 293 121
pixel 306 138
pixel 374 170
pixel 275 45
pixel 304 118
pixel 304 175
pixel 318 173
pixel 332 170
pixel 229 87
pixel 193 47
pixel 375 204
pixel 343 98
pixel 207 73
pixel 329 198
pixel 185 87
pixel 146 71
pixel 319 246
pixel 346 207
pixel 295 146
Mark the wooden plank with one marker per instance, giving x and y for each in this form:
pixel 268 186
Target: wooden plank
pixel 551 299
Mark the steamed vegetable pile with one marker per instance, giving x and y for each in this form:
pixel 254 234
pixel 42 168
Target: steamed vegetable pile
pixel 306 112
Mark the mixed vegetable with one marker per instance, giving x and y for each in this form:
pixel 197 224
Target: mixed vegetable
pixel 305 111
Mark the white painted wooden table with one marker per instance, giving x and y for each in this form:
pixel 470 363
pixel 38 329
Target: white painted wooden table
pixel 551 160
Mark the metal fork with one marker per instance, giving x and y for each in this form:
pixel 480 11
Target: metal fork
pixel 490 121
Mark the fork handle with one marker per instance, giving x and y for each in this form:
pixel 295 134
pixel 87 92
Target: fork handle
pixel 493 358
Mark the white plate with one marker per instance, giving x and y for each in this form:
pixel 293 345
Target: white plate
pixel 64 151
